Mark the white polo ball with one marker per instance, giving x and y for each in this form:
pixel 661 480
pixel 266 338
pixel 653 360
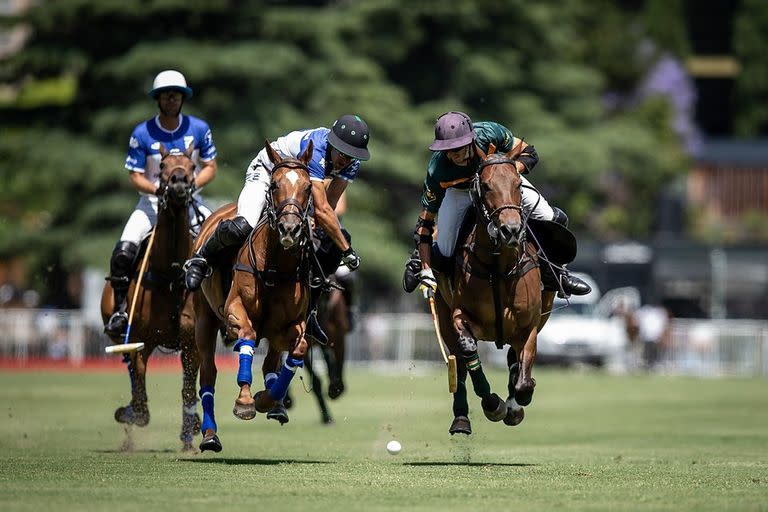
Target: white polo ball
pixel 394 447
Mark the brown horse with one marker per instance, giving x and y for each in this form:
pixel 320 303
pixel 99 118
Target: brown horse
pixel 268 297
pixel 163 313
pixel 495 294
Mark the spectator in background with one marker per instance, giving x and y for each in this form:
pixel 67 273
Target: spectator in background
pixel 653 322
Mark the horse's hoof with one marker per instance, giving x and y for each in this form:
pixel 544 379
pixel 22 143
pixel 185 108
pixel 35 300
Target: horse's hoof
pixel 244 411
pixel 524 393
pixel 335 390
pixel 190 427
pixel 210 442
pixel 328 421
pixel 263 402
pixel 131 416
pixel 460 425
pixel 188 447
pixel 494 408
pixel 288 401
pixel 515 413
pixel 278 413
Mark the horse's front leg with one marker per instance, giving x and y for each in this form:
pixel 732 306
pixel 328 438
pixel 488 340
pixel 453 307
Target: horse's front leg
pixel 267 399
pixel 190 364
pixel 270 369
pixel 137 412
pixel 515 412
pixel 206 325
pixel 525 382
pixel 240 325
pixel 493 406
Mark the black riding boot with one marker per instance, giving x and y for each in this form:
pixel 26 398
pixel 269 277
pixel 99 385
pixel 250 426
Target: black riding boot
pixel 314 331
pixel 228 234
pixel 412 269
pixel 120 271
pixel 560 277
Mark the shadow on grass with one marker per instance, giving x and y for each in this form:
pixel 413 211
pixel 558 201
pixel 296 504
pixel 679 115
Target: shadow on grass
pixel 253 462
pixel 472 464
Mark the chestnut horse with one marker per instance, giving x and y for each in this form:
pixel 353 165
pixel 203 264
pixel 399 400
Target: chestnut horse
pixel 268 297
pixel 163 314
pixel 495 294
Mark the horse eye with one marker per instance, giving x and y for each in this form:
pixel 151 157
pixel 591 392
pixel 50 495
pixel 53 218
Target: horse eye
pixel 162 166
pixel 485 187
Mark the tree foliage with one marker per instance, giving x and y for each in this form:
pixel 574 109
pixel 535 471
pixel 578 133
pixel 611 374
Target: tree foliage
pixel 261 69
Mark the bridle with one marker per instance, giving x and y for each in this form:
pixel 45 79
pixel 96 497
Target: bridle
pixel 477 196
pixel 189 188
pixel 275 213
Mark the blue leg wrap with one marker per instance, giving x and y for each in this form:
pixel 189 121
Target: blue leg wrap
pixel 244 372
pixel 280 387
pixel 269 379
pixel 209 419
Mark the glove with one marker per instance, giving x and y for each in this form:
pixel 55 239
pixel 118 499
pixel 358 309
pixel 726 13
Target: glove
pixel 350 259
pixel 427 283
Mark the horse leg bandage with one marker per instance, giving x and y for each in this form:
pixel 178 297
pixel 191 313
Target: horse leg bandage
pixel 209 419
pixel 244 372
pixel 280 386
pixel 269 379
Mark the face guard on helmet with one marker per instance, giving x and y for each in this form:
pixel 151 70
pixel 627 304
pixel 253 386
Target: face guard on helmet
pixel 453 130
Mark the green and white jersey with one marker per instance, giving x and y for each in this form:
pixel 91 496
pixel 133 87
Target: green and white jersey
pixel 443 174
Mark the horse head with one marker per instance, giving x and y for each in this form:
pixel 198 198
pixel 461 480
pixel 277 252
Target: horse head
pixel 177 176
pixel 290 195
pixel 497 197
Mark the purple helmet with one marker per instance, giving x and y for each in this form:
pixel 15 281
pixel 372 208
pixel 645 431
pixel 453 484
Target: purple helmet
pixel 452 130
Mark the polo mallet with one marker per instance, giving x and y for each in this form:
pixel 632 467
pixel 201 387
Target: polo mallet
pixel 124 347
pixel 450 360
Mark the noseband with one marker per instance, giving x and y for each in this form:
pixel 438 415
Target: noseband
pixel 275 213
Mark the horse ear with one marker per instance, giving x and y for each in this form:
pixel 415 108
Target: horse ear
pixel 163 151
pixel 273 155
pixel 491 148
pixel 306 156
pixel 480 152
pixel 190 149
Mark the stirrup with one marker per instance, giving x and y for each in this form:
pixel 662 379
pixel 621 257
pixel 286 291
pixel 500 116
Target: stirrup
pixel 195 262
pixel 314 331
pixel 196 270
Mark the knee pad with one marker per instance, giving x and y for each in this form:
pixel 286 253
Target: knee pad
pixel 560 217
pixel 234 231
pixel 123 258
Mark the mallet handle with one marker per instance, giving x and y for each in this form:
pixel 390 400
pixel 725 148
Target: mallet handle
pixel 138 283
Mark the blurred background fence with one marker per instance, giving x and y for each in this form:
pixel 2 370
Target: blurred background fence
pixel 695 347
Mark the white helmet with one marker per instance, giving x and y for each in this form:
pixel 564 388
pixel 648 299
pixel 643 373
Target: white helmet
pixel 170 80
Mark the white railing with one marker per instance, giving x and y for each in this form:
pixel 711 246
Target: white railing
pixel 697 347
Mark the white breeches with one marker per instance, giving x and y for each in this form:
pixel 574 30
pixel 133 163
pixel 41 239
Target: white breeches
pixel 253 197
pixel 457 201
pixel 144 217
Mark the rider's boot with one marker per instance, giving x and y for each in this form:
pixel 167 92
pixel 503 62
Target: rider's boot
pixel 412 269
pixel 558 279
pixel 229 233
pixel 121 268
pixel 314 332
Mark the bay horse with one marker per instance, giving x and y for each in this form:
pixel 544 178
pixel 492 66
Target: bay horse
pixel 164 314
pixel 268 295
pixel 495 293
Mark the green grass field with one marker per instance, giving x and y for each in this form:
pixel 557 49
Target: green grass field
pixel 589 442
